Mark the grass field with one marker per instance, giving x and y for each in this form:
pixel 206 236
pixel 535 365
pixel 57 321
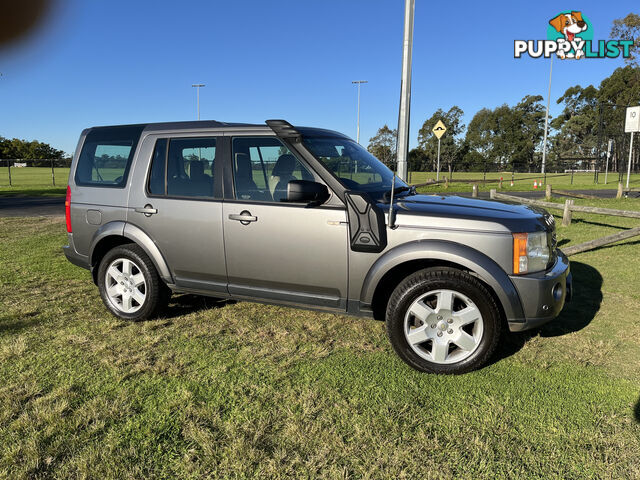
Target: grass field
pixel 37 181
pixel 240 390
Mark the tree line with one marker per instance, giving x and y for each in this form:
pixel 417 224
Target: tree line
pixel 28 150
pixel 510 137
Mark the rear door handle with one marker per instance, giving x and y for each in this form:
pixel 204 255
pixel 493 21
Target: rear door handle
pixel 243 217
pixel 148 210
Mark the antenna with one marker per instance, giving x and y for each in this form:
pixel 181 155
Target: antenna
pixel 392 213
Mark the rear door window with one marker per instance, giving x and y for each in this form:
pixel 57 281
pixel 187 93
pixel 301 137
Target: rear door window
pixel 183 169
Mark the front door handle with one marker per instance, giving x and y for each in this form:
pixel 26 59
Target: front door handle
pixel 244 217
pixel 148 210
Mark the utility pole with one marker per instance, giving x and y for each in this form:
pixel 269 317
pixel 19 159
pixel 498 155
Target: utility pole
pixel 405 90
pixel 546 124
pixel 198 85
pixel 359 82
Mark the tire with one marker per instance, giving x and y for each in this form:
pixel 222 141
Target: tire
pixel 129 284
pixel 443 320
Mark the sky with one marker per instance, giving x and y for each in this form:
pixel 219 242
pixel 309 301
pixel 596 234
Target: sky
pixel 120 62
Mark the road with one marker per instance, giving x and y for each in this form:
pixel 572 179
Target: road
pixel 31 206
pixel 46 206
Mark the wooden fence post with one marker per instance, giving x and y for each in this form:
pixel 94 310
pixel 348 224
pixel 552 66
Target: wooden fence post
pixel 446 182
pixel 619 194
pixel 9 168
pixel 566 215
pixel 547 193
pixel 53 174
pixel 474 192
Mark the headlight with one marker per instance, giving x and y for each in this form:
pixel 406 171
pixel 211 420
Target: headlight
pixel 530 252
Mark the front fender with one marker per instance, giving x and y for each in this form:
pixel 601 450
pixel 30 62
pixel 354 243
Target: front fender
pixel 477 262
pixel 138 236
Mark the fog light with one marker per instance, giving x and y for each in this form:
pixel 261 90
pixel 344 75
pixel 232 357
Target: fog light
pixel 557 292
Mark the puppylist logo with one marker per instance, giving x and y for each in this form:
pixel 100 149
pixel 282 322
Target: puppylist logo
pixel 570 36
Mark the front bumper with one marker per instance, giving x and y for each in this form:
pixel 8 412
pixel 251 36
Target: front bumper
pixel 542 294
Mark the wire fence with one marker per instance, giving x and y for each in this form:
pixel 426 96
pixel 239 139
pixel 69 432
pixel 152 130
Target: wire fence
pixel 29 172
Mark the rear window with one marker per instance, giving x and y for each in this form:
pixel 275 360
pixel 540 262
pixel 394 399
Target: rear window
pixel 106 156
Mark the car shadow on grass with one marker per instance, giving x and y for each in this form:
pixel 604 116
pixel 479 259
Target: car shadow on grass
pixel 15 323
pixel 187 303
pixel 636 411
pixel 576 314
pixel 598 224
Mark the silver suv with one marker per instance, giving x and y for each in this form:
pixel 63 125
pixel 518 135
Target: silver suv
pixel 306 217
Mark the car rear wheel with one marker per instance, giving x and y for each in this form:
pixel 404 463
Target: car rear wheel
pixel 443 320
pixel 129 284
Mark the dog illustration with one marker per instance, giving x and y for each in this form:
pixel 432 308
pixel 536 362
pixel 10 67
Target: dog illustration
pixel 569 24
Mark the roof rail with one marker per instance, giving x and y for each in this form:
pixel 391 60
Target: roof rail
pixel 284 129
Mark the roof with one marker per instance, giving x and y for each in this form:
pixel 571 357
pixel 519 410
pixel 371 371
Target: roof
pixel 204 124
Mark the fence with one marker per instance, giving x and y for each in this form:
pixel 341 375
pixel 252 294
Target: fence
pixel 30 172
pixel 567 208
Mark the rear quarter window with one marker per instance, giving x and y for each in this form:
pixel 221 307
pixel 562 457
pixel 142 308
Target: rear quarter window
pixel 106 156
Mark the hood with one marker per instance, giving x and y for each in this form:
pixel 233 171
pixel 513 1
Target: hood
pixel 452 211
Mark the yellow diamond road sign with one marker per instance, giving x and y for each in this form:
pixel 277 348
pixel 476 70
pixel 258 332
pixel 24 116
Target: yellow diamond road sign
pixel 439 129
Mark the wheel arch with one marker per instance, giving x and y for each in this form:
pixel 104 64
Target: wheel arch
pixel 118 233
pixel 398 263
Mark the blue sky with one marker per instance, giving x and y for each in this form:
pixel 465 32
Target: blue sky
pixel 114 62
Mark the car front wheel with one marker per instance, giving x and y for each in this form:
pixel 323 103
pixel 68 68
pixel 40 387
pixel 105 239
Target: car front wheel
pixel 443 320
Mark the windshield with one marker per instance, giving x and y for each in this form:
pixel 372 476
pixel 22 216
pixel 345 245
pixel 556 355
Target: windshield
pixel 356 168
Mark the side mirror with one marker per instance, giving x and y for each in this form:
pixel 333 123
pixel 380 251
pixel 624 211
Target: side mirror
pixel 305 191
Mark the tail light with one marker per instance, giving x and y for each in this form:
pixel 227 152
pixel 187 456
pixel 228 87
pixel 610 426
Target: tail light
pixel 67 209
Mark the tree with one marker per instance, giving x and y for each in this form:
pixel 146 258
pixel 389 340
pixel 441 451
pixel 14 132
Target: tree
pixel 577 125
pixel 531 112
pixel 418 160
pixel 480 139
pixel 383 145
pixel 22 149
pixel 593 115
pixel 628 28
pixel 450 144
pixel 506 137
pixel 616 92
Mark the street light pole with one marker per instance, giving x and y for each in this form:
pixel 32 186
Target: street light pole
pixel 405 90
pixel 546 124
pixel 359 82
pixel 198 85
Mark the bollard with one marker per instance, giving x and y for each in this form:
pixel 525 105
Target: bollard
pixel 446 182
pixel 618 195
pixel 474 192
pixel 53 174
pixel 547 193
pixel 500 184
pixel 492 193
pixel 9 168
pixel 566 215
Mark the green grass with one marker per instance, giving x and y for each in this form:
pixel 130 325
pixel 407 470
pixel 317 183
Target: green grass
pixel 33 181
pixel 240 390
pixel 522 181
